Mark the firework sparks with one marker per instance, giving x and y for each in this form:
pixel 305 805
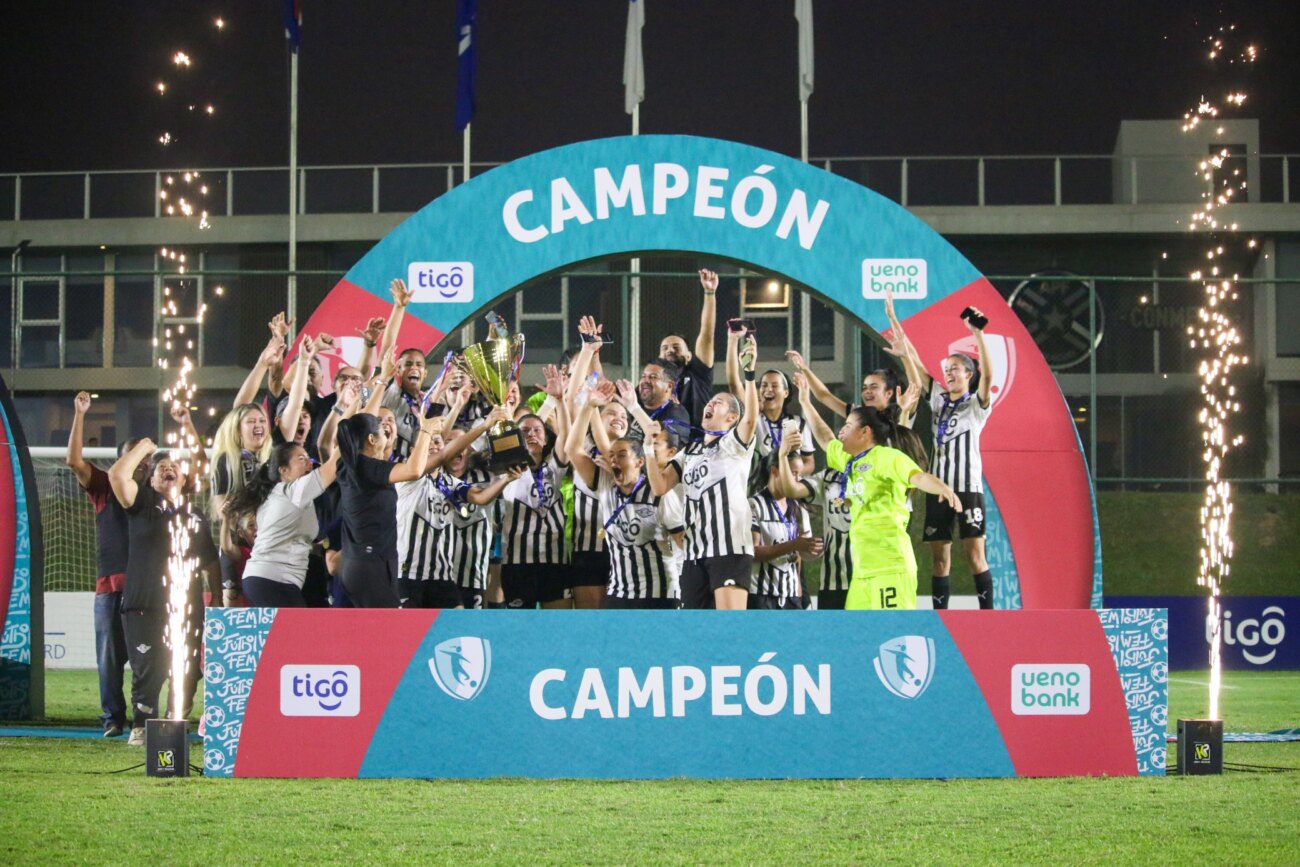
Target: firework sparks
pixel 1219 340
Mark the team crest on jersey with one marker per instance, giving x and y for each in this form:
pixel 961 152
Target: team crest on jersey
pixel 460 666
pixel 905 665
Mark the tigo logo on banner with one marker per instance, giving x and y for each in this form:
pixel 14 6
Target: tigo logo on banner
pixel 904 277
pixel 1050 690
pixel 905 665
pixel 320 690
pixel 440 282
pixel 460 666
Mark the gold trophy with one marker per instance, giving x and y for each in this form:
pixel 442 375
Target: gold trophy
pixel 493 366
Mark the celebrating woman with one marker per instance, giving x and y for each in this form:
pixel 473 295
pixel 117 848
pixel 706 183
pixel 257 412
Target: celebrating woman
pixel 283 495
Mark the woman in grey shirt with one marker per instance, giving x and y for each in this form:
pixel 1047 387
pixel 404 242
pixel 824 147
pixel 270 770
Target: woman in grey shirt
pixel 282 495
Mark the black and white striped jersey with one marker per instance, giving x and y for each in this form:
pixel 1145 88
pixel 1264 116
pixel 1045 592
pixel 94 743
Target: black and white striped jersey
pixel 714 482
pixel 776 523
pixel 532 528
pixel 770 433
pixel 837 556
pixel 586 513
pixel 957 426
pixel 637 536
pixel 465 544
pixel 406 410
pixel 419 524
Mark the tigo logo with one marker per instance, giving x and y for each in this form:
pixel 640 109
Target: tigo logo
pixel 320 690
pixel 905 665
pixel 440 282
pixel 904 277
pixel 460 666
pixel 1051 690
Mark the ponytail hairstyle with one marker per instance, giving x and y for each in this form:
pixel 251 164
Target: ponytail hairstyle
pixel 251 496
pixel 353 433
pixel 785 380
pixel 888 432
pixel 227 448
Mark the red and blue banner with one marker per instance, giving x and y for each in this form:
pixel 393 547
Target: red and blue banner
pixel 622 197
pixel 21 673
pixel 636 695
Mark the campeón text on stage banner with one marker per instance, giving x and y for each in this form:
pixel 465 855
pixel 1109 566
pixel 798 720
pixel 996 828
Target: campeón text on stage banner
pixel 353 693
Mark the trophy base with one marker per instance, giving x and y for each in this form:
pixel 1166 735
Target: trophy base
pixel 507 448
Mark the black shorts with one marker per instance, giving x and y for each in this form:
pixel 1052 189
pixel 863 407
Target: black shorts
pixel 641 604
pixel 525 585
pixel 939 517
pixel 831 600
pixel 701 577
pixel 590 568
pixel 470 598
pixel 413 593
pixel 266 593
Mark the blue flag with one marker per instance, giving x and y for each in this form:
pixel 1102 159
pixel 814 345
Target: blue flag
pixel 466 35
pixel 293 24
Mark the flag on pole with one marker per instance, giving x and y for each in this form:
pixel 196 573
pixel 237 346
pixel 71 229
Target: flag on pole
pixel 293 24
pixel 466 35
pixel 803 13
pixel 633 60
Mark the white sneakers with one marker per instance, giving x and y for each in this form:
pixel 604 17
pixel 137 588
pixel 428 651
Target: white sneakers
pixel 137 737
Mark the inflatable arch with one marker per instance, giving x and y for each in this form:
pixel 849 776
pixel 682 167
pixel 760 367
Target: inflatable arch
pixel 623 196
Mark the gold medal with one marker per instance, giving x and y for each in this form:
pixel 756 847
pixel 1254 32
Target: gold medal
pixel 838 502
pixel 600 533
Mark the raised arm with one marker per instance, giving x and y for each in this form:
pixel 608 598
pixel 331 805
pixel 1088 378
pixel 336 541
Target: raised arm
pixel 902 349
pixel 662 479
pixel 734 382
pixel 180 414
pixel 280 327
pixel 821 431
pixel 625 393
pixel 379 384
pixel 413 467
pixel 583 465
pixel 586 359
pixel 269 358
pixel 819 389
pixel 297 391
pixel 370 337
pixel 749 397
pixel 345 406
pixel 708 318
pixel 121 476
pixel 74 460
pixel 787 485
pixel 401 297
pixel 982 391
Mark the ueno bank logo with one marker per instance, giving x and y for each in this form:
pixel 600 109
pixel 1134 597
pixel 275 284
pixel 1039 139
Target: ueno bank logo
pixel 440 282
pixel 460 666
pixel 320 690
pixel 906 278
pixel 1050 690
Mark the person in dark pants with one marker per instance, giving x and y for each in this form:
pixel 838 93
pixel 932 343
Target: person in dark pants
pixel 151 508
pixel 110 570
pixel 368 506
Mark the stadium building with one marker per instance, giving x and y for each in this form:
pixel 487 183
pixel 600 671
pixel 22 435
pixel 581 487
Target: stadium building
pixel 1093 253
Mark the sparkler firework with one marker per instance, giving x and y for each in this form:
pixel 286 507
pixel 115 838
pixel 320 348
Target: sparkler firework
pixel 182 194
pixel 1219 339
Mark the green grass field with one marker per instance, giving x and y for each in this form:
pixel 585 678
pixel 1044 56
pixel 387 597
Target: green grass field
pixel 62 803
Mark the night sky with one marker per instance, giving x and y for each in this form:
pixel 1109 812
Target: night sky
pixel 378 78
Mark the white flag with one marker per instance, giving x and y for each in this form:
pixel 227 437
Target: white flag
pixel 803 13
pixel 633 60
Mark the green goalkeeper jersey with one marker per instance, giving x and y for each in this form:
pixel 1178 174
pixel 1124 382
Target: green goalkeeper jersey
pixel 876 488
